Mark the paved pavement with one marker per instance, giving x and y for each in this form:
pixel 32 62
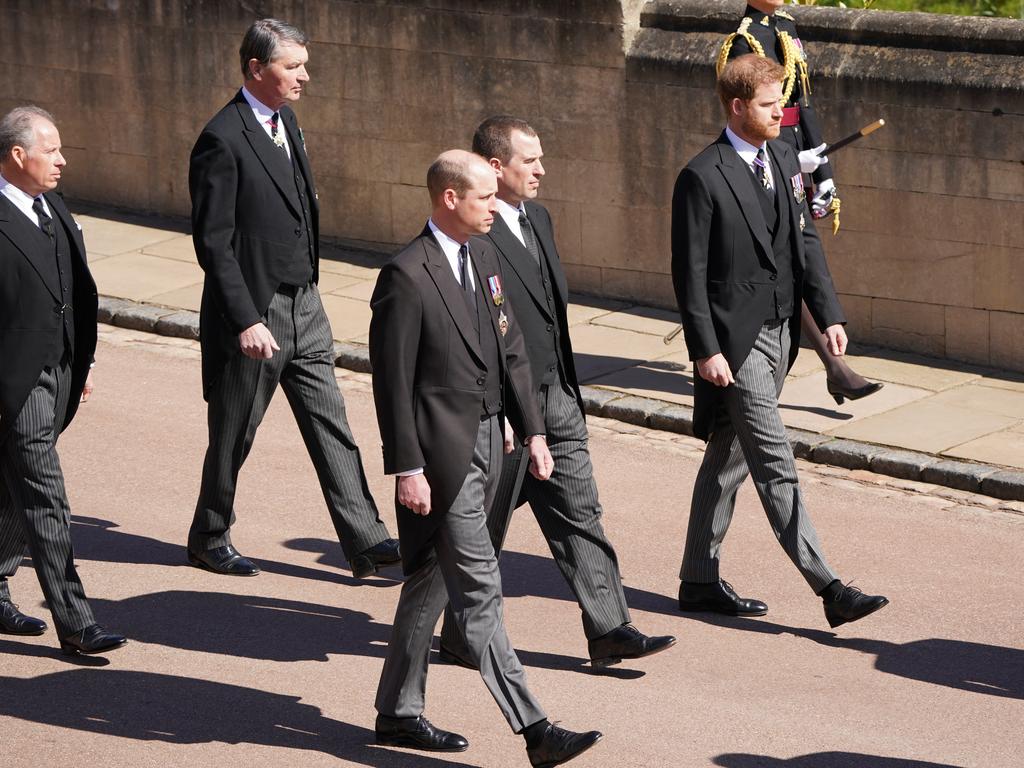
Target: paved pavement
pixel 281 669
pixel 940 416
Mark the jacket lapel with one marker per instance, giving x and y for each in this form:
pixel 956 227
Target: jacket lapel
pixel 274 159
pixel 440 272
pixel 519 259
pixel 546 240
pixel 19 230
pixel 484 267
pixel 793 210
pixel 58 207
pixel 298 146
pixel 736 175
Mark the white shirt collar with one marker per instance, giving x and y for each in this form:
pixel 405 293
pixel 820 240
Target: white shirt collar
pixel 22 200
pixel 263 115
pixel 510 214
pixel 450 249
pixel 748 152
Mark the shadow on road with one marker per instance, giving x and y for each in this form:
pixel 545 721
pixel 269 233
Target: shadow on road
pixel 822 760
pixel 989 669
pixel 97 539
pixel 153 707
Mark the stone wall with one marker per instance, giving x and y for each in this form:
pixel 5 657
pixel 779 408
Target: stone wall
pixel 930 255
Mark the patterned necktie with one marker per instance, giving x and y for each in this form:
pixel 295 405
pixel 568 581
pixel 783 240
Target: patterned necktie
pixel 45 222
pixel 761 169
pixel 529 237
pixel 274 131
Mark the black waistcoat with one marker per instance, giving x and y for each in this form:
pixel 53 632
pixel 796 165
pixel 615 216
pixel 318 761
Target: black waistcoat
pixel 300 269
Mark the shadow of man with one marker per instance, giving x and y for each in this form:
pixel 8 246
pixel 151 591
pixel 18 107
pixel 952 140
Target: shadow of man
pixel 147 706
pixel 822 760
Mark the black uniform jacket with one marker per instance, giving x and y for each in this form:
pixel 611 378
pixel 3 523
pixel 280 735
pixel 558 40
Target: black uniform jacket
pixel 525 289
pixel 807 134
pixel 429 376
pixel 246 220
pixel 723 265
pixel 31 323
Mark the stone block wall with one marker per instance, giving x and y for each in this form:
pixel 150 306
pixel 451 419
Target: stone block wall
pixel 929 258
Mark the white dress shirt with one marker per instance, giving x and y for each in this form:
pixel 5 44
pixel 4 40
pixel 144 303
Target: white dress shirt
pixel 510 214
pixel 450 248
pixel 748 152
pixel 22 200
pixel 264 114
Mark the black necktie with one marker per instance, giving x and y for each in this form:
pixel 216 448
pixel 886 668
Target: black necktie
pixel 467 284
pixel 761 169
pixel 529 237
pixel 45 222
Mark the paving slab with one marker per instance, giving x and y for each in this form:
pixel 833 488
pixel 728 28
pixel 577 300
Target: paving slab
pixel 920 374
pixel 585 309
pixel 657 322
pixel 600 350
pixel 189 297
pixel 807 362
pixel 350 318
pixel 926 426
pixel 179 248
pixel 109 237
pixel 978 397
pixel 1005 447
pixel 360 290
pixel 806 404
pixel 139 277
pixel 662 380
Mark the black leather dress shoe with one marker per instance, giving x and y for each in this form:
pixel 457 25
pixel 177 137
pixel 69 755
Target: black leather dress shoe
pixel 14 622
pixel 717 597
pixel 368 561
pixel 840 393
pixel 851 604
pixel 224 560
pixel 558 746
pixel 625 642
pixel 92 639
pixel 451 657
pixel 417 733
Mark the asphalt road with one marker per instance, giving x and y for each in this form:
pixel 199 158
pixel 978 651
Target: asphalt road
pixel 281 669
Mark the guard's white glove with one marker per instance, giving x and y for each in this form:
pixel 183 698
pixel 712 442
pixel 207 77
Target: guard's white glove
pixel 811 159
pixel 822 199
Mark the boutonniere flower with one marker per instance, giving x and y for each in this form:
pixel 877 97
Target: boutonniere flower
pixel 279 138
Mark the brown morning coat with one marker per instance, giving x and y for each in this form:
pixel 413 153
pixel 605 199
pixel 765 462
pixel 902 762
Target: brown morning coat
pixel 31 326
pixel 429 377
pixel 723 263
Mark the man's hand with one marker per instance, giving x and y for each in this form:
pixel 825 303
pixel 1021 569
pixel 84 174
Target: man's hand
pixel 541 463
pixel 510 438
pixel 87 389
pixel 716 370
pixel 414 493
pixel 258 342
pixel 837 341
pixel 811 159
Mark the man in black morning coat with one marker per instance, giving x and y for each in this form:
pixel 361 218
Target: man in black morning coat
pixel 743 258
pixel 255 224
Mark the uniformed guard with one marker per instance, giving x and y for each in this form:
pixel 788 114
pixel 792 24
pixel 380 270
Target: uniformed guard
pixel 770 32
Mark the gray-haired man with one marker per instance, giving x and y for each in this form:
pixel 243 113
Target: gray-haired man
pixel 255 224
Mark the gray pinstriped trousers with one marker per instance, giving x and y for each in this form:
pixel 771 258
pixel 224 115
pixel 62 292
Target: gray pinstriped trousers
pixel 304 367
pixel 464 572
pixel 568 511
pixel 34 504
pixel 749 433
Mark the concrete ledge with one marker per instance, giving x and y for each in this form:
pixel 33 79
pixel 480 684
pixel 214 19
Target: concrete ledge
pixel 646 412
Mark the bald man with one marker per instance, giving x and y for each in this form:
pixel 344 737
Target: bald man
pixel 449 364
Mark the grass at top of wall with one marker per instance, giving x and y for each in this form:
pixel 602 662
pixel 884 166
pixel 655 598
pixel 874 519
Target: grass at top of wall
pixel 1010 8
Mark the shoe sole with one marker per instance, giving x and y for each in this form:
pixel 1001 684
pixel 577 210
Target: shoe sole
pixel 610 661
pixel 33 633
pixel 363 566
pixel 410 744
pixel 70 650
pixel 840 622
pixel 702 608
pixel 573 756
pixel 193 560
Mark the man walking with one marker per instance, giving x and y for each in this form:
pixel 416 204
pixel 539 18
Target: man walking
pixel 566 504
pixel 47 342
pixel 744 256
pixel 448 366
pixel 255 224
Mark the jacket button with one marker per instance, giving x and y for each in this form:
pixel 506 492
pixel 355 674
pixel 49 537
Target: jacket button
pixel 549 328
pixel 772 278
pixel 481 379
pixel 298 231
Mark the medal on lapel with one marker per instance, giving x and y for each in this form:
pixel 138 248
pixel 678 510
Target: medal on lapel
pixel 802 222
pixel 497 295
pixel 798 187
pixel 502 322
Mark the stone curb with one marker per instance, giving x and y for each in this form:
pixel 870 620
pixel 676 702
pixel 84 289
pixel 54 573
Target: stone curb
pixel 656 414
